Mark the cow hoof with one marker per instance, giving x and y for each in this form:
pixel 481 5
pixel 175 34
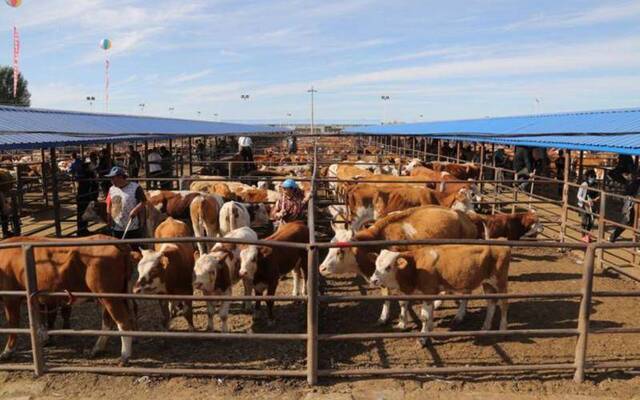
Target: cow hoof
pixel 424 342
pixel 382 322
pixel 400 326
pixel 123 363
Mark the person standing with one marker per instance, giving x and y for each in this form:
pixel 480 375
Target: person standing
pixel 244 145
pixel 133 162
pixel 104 166
pixel 155 166
pixel 586 200
pixel 523 166
pixel 631 191
pixel 125 206
pixel 85 177
pixel 292 144
pixel 291 204
pixel 166 166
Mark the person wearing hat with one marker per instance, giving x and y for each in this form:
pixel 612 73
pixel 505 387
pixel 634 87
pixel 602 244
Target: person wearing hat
pixel 87 191
pixel 125 205
pixel 291 204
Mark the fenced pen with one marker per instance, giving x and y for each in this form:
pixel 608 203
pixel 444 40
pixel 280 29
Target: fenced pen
pixel 559 217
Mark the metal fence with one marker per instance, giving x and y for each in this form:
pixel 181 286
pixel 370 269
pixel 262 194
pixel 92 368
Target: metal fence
pixel 314 300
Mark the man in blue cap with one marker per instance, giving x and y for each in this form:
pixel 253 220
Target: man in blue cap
pixel 125 205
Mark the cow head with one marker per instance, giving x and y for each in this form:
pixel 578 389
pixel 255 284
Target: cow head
pixel 95 212
pixel 207 268
pixel 340 260
pixel 416 162
pixel 463 200
pixel 151 269
pixel 258 214
pixel 532 224
pixel 248 262
pixel 386 267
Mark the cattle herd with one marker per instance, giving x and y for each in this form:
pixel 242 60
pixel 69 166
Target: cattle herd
pixel 364 203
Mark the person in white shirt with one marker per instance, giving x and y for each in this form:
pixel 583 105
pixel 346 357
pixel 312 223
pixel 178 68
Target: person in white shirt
pixel 244 144
pixel 586 200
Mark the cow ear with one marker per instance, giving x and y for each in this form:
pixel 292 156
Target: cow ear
pixel 135 257
pixel 435 255
pixel 402 263
pixel 196 255
pixel 164 261
pixel 372 257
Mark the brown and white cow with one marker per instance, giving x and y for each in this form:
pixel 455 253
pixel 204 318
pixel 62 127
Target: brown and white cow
pixel 96 269
pixel 234 215
pixel 450 268
pixel 216 272
pixel 266 265
pixel 509 226
pixel 168 269
pixel 429 222
pixel 398 199
pixel 201 209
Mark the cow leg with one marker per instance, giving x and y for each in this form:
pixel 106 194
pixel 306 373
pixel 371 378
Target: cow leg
pixel 224 312
pixel 491 307
pixel 166 315
pixel 384 315
pixel 426 317
pixel 462 311
pixel 118 312
pixel 65 312
pixel 188 315
pixel 248 287
pixel 212 231
pixel 198 232
pixel 107 325
pixel 271 290
pixel 296 281
pixel 12 313
pixel 402 320
pixel 211 310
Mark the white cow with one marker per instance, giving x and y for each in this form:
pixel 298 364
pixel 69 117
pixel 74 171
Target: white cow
pixel 234 215
pixel 223 259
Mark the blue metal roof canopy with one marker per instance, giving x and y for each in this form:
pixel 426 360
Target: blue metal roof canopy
pixel 590 122
pixel 616 131
pixel 33 120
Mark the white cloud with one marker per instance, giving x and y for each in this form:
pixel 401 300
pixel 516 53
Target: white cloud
pixel 182 78
pixel 593 16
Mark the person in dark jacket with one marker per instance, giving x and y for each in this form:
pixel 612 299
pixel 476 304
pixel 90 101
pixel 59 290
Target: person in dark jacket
pixel 631 191
pixel 624 166
pixel 104 166
pixel 523 166
pixel 87 191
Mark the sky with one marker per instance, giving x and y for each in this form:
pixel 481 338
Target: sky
pixel 435 60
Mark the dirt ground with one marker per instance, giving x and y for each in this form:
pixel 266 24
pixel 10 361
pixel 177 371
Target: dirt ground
pixel 531 270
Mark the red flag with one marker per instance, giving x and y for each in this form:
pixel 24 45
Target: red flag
pixel 16 58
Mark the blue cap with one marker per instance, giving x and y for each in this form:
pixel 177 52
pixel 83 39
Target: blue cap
pixel 289 184
pixel 116 171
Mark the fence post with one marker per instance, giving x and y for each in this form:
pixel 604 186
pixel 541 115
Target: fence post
pixel 190 156
pixel 565 197
pixel 601 226
pixel 146 164
pixel 45 192
pixel 481 174
pixel 54 193
pixel 585 313
pixel 312 282
pixel 33 309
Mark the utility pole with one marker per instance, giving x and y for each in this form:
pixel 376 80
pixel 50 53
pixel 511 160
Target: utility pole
pixel 312 91
pixel 385 99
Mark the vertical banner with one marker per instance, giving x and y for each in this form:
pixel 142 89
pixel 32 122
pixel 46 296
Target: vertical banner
pixel 106 85
pixel 16 60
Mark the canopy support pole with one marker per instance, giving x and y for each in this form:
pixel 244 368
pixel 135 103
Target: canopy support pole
pixel 146 163
pixel 54 193
pixel 190 156
pixel 565 197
